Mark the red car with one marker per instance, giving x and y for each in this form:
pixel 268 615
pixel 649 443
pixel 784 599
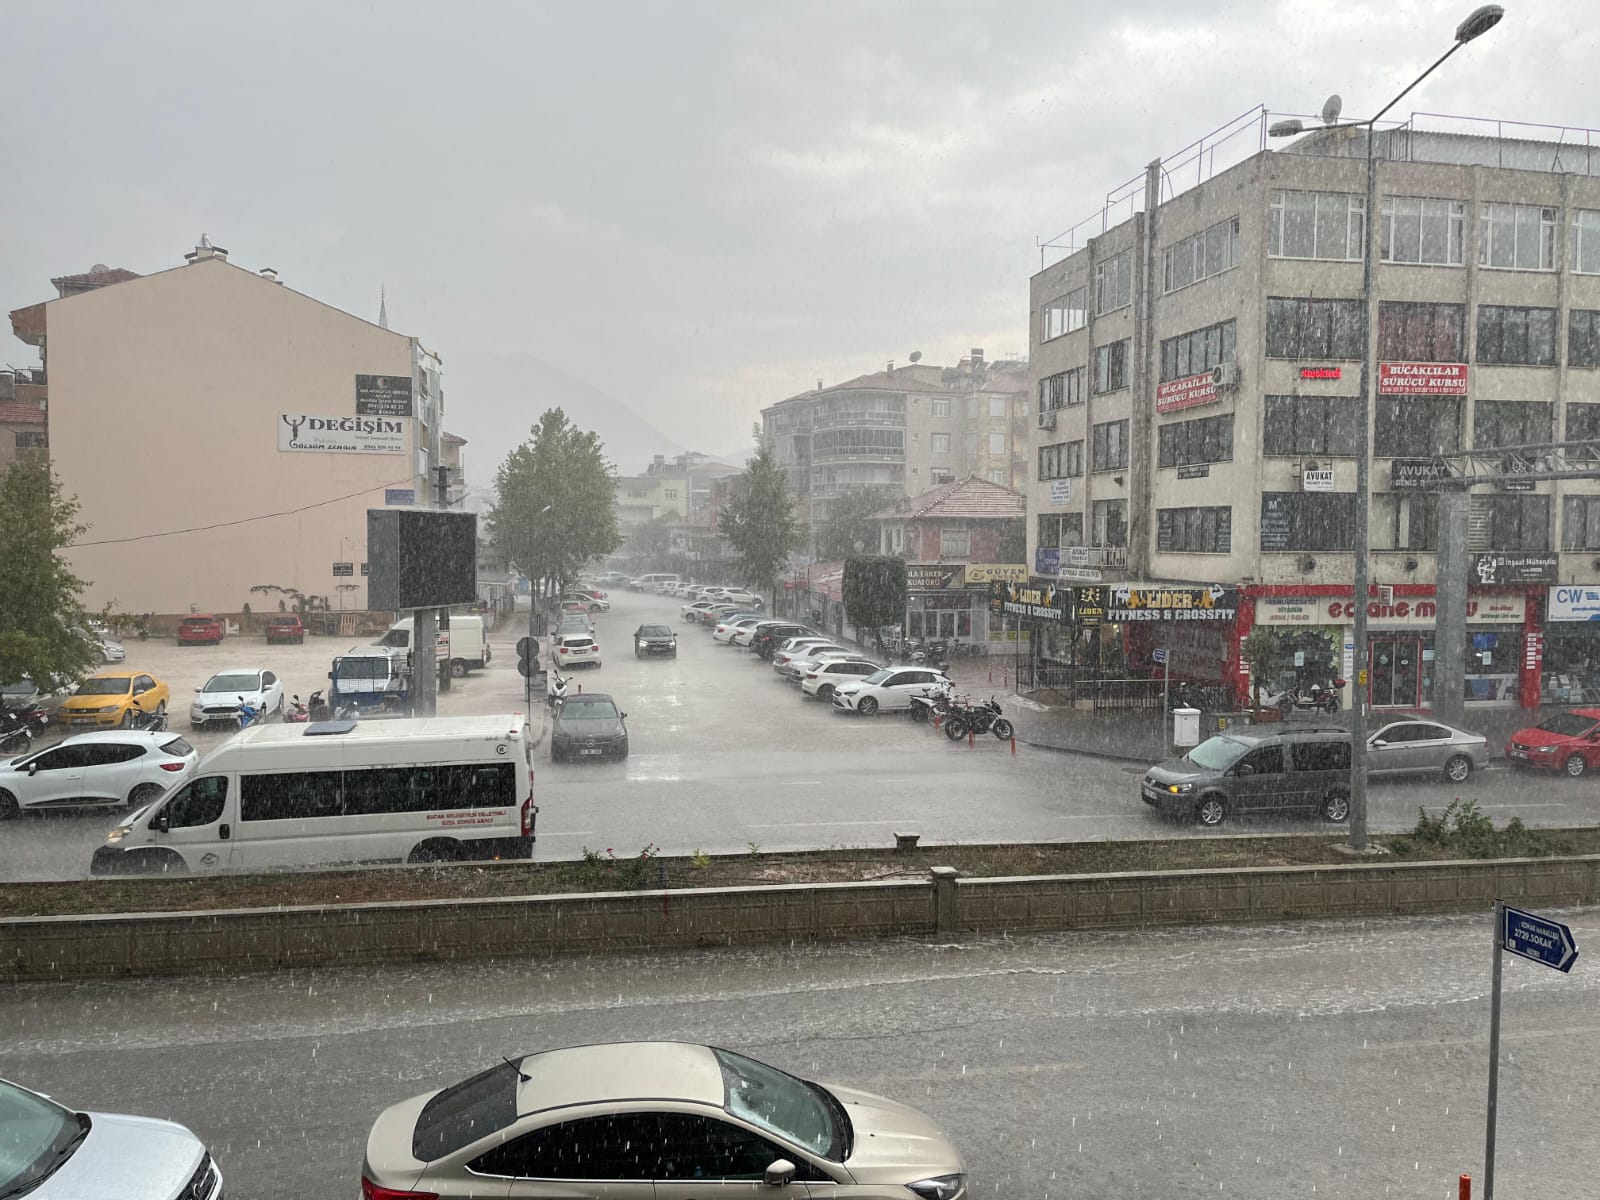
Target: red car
pixel 285 627
pixel 200 629
pixel 1568 741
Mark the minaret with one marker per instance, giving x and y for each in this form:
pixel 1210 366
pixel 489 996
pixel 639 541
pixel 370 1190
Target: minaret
pixel 383 308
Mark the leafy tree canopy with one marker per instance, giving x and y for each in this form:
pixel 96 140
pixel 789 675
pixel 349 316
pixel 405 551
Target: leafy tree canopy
pixel 43 623
pixel 874 591
pixel 759 524
pixel 555 502
pixel 850 529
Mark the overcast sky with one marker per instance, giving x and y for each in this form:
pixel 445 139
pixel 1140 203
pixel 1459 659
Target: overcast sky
pixel 700 208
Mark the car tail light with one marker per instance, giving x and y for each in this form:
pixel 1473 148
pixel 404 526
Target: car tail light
pixel 811 675
pixel 527 816
pixel 376 1191
pixel 174 766
pixel 595 647
pixel 563 650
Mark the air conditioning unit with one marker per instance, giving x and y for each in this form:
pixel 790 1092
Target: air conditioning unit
pixel 1225 376
pixel 1047 419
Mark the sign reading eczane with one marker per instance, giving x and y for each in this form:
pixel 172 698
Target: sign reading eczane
pixel 341 435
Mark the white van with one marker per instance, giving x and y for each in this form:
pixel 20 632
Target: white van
pixel 464 643
pixel 331 793
pixel 660 581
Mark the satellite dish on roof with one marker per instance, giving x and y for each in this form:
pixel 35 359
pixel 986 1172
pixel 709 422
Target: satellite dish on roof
pixel 916 356
pixel 1331 108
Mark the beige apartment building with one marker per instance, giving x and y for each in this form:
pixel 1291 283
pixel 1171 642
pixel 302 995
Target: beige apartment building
pixel 1196 371
pixel 222 431
pixel 906 429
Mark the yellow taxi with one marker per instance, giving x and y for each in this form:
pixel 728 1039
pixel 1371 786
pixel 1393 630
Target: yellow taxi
pixel 111 698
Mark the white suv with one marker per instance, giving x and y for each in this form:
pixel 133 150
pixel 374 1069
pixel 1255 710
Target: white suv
pixel 89 770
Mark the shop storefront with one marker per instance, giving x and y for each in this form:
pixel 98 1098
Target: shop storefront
pixel 1318 644
pixel 950 602
pixel 1568 653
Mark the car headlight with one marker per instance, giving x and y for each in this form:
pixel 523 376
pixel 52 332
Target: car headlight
pixel 941 1187
pixel 643 643
pixel 1544 749
pixel 109 708
pixel 1177 789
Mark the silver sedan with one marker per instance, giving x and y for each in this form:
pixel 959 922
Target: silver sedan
pixel 1415 747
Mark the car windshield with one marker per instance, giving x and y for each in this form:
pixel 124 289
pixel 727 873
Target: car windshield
pixel 461 1114
pixel 654 631
pixel 1216 753
pixel 237 682
pixel 879 676
pixel 1567 724
pixel 36 1136
pixel 106 686
pixel 797 1111
pixel 588 708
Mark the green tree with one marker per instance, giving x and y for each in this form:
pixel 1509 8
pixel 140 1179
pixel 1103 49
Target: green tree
pixel 758 523
pixel 874 591
pixel 555 503
pixel 1263 651
pixel 41 629
pixel 1013 542
pixel 850 529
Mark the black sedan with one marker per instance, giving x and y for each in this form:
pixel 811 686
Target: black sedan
pixel 654 639
pixel 588 725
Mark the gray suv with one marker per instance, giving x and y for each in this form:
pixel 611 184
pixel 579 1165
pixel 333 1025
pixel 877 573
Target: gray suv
pixel 1252 771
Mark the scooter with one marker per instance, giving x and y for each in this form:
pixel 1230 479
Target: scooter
pixel 249 714
pixel 15 733
pixel 317 709
pixel 558 688
pixel 147 722
pixel 297 714
pixel 1316 698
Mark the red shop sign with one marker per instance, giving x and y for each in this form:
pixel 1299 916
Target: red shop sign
pixel 1189 392
pixel 1422 379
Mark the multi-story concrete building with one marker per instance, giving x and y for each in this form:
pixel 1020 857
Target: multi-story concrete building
pixel 1196 370
pixel 222 431
pixel 904 429
pixel 23 416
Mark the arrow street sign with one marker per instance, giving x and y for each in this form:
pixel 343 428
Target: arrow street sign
pixel 1538 938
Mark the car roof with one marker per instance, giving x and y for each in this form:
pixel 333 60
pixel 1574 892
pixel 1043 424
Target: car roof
pixel 620 1071
pixel 259 670
pixel 116 674
pixel 585 635
pixel 143 737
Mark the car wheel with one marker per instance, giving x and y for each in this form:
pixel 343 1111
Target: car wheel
pixel 127 719
pixel 161 708
pixel 1332 704
pixel 825 693
pixel 867 707
pixel 1576 765
pixel 458 668
pixel 9 807
pixel 1458 769
pixel 1336 805
pixel 143 794
pixel 435 850
pixel 1210 810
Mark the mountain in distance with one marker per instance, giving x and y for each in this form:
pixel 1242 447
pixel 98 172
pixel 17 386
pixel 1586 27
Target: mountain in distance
pixel 493 400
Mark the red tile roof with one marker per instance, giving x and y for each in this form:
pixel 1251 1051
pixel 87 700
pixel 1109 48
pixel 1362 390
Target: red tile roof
pixel 965 499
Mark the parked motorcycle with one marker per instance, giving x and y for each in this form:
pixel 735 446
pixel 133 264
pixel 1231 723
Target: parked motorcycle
pixel 15 733
pixel 978 718
pixel 558 688
pixel 297 713
pixel 34 717
pixel 1317 698
pixel 147 722
pixel 249 714
pixel 317 708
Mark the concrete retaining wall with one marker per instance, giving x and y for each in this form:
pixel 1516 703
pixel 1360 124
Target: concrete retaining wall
pixel 85 947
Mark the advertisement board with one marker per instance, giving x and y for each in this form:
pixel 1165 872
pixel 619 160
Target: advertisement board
pixel 983 574
pixel 1417 474
pixel 1403 612
pixel 1573 603
pixel 1035 600
pixel 1190 392
pixel 1514 568
pixel 341 435
pixel 933 577
pixel 383 395
pixel 1060 492
pixel 1156 602
pixel 1422 379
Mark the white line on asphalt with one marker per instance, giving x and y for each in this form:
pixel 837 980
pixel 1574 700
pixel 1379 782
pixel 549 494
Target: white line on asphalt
pixel 830 824
pixel 798 782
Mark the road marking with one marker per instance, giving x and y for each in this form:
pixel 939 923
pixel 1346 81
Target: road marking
pixel 832 824
pixel 1527 1036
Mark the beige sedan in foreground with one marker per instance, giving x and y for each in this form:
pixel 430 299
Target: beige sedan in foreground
pixel 655 1121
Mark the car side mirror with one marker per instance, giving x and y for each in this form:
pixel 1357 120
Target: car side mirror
pixel 1379 742
pixel 1244 769
pixel 779 1173
pixel 624 716
pixel 33 767
pixel 162 822
pixel 197 691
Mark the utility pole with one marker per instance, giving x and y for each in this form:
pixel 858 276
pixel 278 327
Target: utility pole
pixel 443 474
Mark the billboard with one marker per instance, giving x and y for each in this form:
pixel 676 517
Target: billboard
pixel 341 435
pixel 1422 379
pixel 421 559
pixel 383 395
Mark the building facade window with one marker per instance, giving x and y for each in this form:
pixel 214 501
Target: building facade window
pixel 1411 331
pixel 954 541
pixel 1110 522
pixel 1305 327
pixel 1416 426
pixel 1308 520
pixel 997 444
pixel 1517 237
pixel 1423 231
pixel 939 443
pixel 1583 424
pixel 1066 315
pixel 1203 440
pixel 1520 336
pixel 1405 521
pixel 836 443
pixel 1586 241
pixel 1110 450
pixel 996 475
pixel 939 406
pixel 1323 225
pixel 1111 367
pixel 1516 522
pixel 1512 423
pixel 1061 389
pixel 1580 523
pixel 1197 351
pixel 939 477
pixel 1583 336
pixel 1194 530
pixel 31 439
pixel 997 406
pixel 1208 253
pixel 1060 529
pixel 1064 460
pixel 1309 425
pixel 1113 283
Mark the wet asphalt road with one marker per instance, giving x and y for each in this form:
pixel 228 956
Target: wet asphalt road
pixel 1327 1059
pixel 724 756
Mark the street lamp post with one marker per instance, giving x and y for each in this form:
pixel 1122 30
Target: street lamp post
pixel 1479 22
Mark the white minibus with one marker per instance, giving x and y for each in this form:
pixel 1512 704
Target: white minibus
pixel 658 581
pixel 329 793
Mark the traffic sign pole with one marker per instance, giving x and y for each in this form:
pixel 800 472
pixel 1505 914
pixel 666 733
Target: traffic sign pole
pixel 1494 1050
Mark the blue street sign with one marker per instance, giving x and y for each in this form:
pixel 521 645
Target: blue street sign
pixel 399 495
pixel 1538 938
pixel 1159 655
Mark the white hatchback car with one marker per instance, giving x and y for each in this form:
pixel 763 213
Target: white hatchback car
pixel 219 698
pixel 889 689
pixel 575 648
pixel 50 1152
pixel 823 679
pixel 96 770
pixel 726 631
